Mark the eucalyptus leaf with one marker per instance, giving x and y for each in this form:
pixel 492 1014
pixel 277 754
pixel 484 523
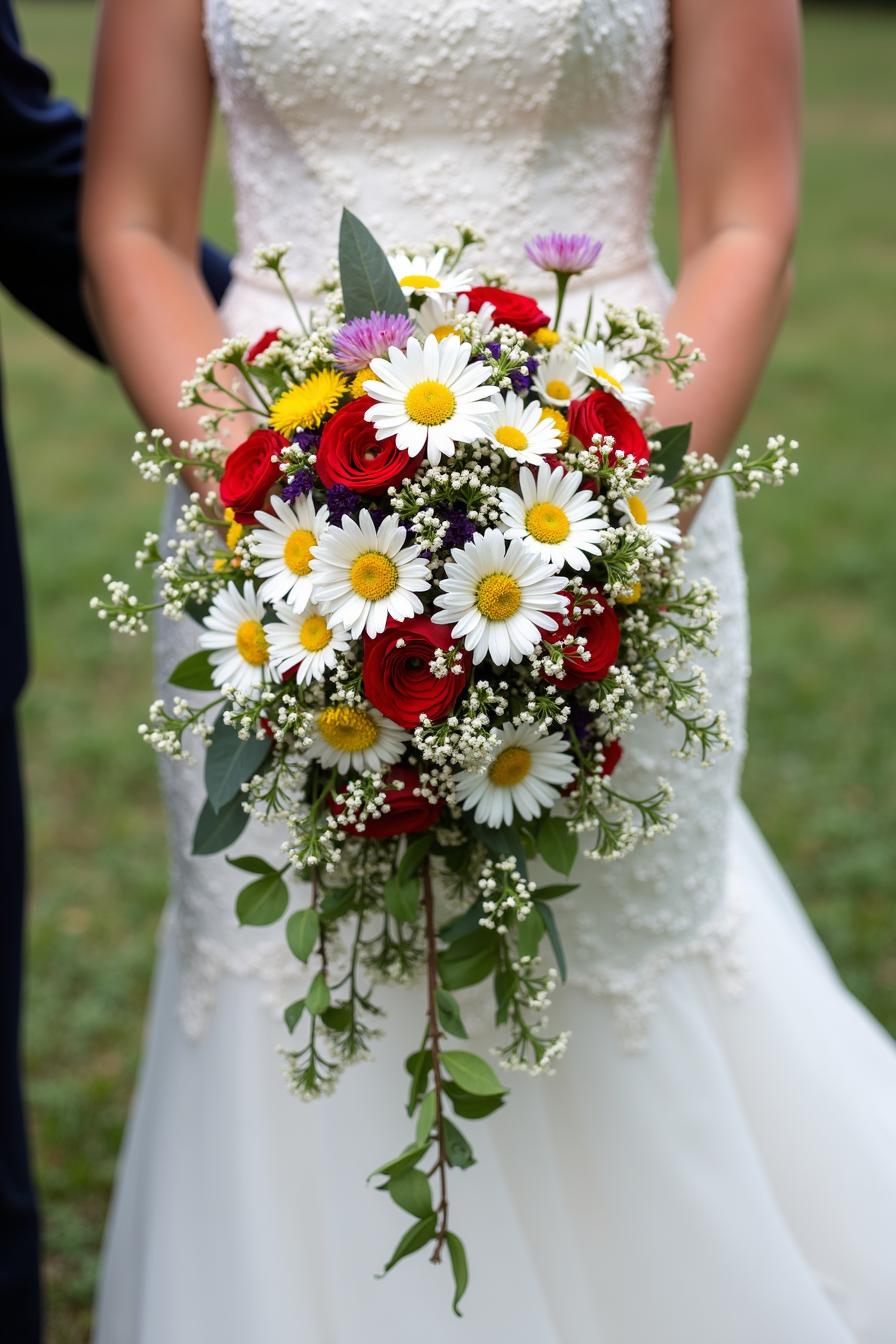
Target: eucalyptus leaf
pixel 194 673
pixel 302 932
pixel 368 281
pixel 317 1000
pixel 215 830
pixel 264 901
pixel 413 1240
pixel 472 1073
pixel 674 442
pixel 553 933
pixel 457 1149
pixel 458 1268
pixel 449 1013
pixel 411 1192
pixel 557 844
pixel 292 1014
pixel 229 762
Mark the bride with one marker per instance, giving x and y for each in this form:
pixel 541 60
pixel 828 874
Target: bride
pixel 714 1161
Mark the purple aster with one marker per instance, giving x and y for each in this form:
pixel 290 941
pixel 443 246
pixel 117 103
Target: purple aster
pixel 340 501
pixel 366 338
pixel 302 483
pixel 460 529
pixel 564 253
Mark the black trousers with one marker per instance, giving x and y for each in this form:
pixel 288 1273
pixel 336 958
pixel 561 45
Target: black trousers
pixel 19 1238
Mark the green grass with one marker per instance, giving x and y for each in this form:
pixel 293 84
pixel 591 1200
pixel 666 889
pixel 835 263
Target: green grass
pixel 820 778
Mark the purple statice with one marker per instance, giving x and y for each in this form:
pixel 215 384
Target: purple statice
pixel 366 338
pixel 340 501
pixel 581 721
pixel 302 483
pixel 460 529
pixel 521 378
pixel 563 253
pixel 306 439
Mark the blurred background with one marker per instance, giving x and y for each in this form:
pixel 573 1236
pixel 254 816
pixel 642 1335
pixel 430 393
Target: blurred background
pixel 821 776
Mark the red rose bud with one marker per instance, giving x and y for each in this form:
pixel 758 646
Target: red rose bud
pixel 612 757
pixel 517 310
pixel 602 413
pixel 408 814
pixel 262 344
pixel 249 473
pixel 350 455
pixel 599 628
pixel 397 679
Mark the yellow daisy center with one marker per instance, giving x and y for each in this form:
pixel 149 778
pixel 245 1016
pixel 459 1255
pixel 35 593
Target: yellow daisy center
pixel 546 336
pixel 361 377
pixel 373 576
pixel 511 438
pixel 347 729
pixel 430 402
pixel 446 329
pixel 297 551
pixel 633 595
pixel 307 404
pixel 511 767
pixel 547 522
pixel 498 597
pixel 420 281
pixel 557 389
pixel 559 419
pixel 314 634
pixel 251 642
pixel 606 377
pixel 637 510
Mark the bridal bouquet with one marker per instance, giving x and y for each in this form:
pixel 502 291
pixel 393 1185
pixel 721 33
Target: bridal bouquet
pixel 447 578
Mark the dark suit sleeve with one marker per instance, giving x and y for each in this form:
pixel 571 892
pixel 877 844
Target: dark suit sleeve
pixel 41 149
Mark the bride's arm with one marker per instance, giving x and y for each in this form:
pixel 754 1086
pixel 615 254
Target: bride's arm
pixel 146 150
pixel 735 89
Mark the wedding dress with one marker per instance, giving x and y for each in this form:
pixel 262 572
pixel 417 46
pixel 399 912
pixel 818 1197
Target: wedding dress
pixel 715 1160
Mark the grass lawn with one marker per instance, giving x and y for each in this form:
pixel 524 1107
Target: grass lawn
pixel 821 776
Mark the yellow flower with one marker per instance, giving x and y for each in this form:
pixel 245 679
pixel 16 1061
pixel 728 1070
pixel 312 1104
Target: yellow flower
pixel 559 419
pixel 361 377
pixel 546 336
pixel 307 404
pixel 235 530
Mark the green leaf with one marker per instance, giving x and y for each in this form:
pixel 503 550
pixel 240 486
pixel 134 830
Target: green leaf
pixel 471 1108
pixel 250 864
pixel 402 898
pixel 501 840
pixel 216 830
pixel 302 932
pixel 464 924
pixel 368 281
pixel 458 1268
pixel 411 1192
pixel 530 933
pixel 457 1149
pixel 412 859
pixel 553 933
pixel 674 441
pixel 409 1158
pixel 418 1066
pixel 506 984
pixel 413 1240
pixel 426 1117
pixel 557 844
pixel 194 673
pixel 293 1013
pixel 339 1017
pixel 263 901
pixel 230 761
pixel 461 972
pixel 455 858
pixel 335 903
pixel 552 893
pixel 318 997
pixel 472 1073
pixel 449 1013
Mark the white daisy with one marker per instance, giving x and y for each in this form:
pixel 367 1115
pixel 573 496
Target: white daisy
pixel 355 737
pixel 619 376
pixel 234 633
pixel 440 319
pixel 519 430
pixel 652 509
pixel 557 379
pixel 363 574
pixel 304 641
pixel 284 540
pixel 429 396
pixel 527 772
pixel 424 275
pixel 496 595
pixel 554 516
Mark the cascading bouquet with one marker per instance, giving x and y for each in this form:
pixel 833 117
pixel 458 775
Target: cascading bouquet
pixel 451 576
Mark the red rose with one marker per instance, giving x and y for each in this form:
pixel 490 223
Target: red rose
pixel 599 628
pixel 397 680
pixel 612 757
pixel 408 814
pixel 268 338
pixel 602 413
pixel 249 473
pixel 517 310
pixel 349 453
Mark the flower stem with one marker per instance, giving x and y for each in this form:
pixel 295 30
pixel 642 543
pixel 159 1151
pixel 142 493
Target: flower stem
pixel 562 282
pixel 434 1038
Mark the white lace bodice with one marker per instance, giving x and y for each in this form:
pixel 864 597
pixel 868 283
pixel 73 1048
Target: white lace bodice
pixel 517 117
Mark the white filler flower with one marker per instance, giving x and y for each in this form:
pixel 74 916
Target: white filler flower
pixel 234 634
pixel 526 774
pixel 554 516
pixel 353 738
pixel 363 574
pixel 429 396
pixel 557 380
pixel 440 319
pixel 283 542
pixel 427 276
pixel 519 430
pixel 619 376
pixel 303 641
pixel 496 595
pixel 653 509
